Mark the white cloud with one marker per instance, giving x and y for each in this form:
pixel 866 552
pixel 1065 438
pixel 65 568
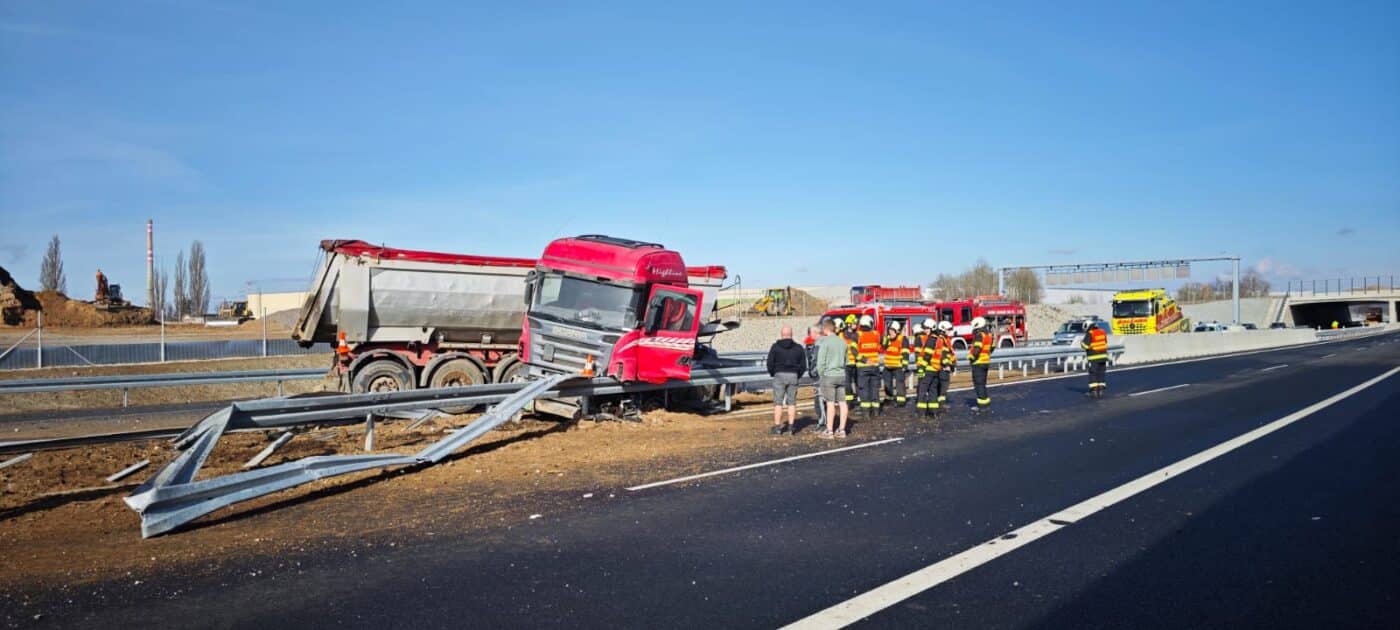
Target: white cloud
pixel 1269 267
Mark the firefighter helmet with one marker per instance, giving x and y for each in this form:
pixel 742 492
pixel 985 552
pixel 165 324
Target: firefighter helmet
pixel 867 321
pixel 945 326
pixel 894 326
pixel 929 324
pixel 979 322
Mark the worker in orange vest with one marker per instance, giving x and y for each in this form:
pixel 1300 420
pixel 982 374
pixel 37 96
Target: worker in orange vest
pixel 894 349
pixel 922 351
pixel 980 357
pixel 1095 345
pixel 868 366
pixel 947 362
pixel 849 332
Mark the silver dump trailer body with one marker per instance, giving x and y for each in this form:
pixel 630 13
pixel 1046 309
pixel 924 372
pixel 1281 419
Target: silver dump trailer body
pixel 380 295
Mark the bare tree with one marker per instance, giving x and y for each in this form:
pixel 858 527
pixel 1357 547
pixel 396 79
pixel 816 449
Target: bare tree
pixel 199 280
pixel 981 279
pixel 51 276
pixel 1024 285
pixel 160 305
pixel 181 303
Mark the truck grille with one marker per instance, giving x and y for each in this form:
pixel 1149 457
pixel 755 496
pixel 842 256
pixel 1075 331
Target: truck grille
pixel 564 349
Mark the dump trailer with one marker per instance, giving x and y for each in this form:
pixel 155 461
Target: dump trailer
pixel 404 319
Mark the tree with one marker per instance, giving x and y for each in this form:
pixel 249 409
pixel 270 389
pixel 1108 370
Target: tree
pixel 981 279
pixel 51 276
pixel 160 305
pixel 199 280
pixel 181 303
pixel 1024 285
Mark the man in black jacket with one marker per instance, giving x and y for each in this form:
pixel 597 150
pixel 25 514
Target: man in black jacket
pixel 786 363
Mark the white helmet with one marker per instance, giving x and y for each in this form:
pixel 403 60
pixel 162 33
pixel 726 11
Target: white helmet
pixel 894 326
pixel 945 326
pixel 928 324
pixel 919 328
pixel 866 320
pixel 979 322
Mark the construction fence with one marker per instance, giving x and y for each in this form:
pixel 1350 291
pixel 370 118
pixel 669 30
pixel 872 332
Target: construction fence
pixel 36 350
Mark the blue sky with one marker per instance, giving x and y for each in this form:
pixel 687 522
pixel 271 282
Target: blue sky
pixel 801 143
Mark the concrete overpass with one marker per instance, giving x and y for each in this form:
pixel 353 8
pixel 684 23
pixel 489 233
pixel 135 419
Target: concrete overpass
pixel 1349 306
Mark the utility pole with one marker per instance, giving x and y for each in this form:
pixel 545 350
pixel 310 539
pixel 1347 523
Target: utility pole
pixel 1237 290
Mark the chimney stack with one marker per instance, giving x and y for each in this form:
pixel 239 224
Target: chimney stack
pixel 150 265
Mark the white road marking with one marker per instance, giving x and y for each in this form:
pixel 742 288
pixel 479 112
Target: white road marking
pixel 871 602
pixel 1159 389
pixel 761 464
pixel 1274 367
pixel 1329 355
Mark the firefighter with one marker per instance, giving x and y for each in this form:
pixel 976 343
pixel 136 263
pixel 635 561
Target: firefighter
pixel 947 362
pixel 895 350
pixel 849 332
pixel 929 365
pixel 868 366
pixel 979 356
pixel 1095 345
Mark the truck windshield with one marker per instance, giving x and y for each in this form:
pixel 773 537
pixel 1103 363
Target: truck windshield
pixel 585 302
pixel 1133 308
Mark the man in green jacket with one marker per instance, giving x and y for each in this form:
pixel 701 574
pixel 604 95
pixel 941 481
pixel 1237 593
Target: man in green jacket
pixel 831 378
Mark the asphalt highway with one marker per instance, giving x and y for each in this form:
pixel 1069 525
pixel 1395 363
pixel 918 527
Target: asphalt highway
pixel 1298 527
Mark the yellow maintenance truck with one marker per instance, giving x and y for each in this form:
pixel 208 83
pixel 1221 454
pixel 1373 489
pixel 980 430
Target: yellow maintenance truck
pixel 1147 312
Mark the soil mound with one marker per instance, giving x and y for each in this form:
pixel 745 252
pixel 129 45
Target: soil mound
pixel 19 307
pixel 15 302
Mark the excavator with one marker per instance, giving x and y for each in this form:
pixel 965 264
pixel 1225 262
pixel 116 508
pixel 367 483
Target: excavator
pixel 775 303
pixel 109 296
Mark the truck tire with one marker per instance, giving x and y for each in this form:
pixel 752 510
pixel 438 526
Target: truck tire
pixel 959 344
pixel 384 375
pixel 508 369
pixel 456 373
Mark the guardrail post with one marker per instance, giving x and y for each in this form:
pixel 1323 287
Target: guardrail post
pixel 39 356
pixel 279 388
pixel 264 327
pixel 162 339
pixel 1025 371
pixel 124 397
pixel 369 432
pixel 1001 372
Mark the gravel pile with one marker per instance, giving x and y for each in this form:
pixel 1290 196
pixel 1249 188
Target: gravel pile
pixel 758 333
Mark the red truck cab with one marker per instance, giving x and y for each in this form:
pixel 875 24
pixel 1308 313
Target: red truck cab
pixel 611 307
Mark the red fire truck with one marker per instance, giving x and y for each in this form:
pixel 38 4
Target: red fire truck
pixel 1007 318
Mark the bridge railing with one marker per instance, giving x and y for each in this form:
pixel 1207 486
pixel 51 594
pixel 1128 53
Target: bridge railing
pixel 1357 285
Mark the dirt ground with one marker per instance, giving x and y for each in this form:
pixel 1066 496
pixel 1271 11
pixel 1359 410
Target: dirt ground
pixel 62 524
pixel 143 333
pixel 111 398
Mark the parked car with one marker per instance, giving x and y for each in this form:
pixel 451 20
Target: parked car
pixel 1072 330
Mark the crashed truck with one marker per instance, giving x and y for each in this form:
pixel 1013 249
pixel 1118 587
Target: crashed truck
pixel 591 308
pixel 405 319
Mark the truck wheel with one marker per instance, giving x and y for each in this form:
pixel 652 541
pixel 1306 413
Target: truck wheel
pixel 384 375
pixel 456 373
pixel 511 369
pixel 959 344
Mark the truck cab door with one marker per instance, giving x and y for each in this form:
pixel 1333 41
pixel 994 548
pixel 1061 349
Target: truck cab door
pixel 670 326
